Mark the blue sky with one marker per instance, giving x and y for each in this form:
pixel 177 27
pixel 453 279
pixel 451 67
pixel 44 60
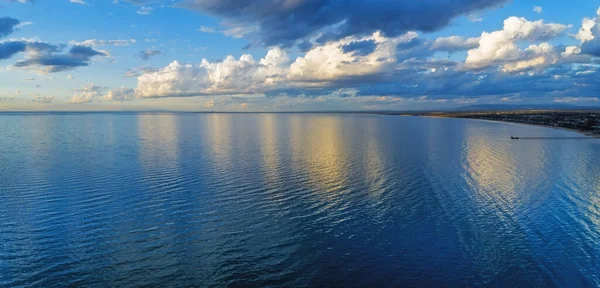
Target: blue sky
pixel 291 55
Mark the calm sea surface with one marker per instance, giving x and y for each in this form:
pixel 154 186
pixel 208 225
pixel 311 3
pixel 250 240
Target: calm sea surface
pixel 293 201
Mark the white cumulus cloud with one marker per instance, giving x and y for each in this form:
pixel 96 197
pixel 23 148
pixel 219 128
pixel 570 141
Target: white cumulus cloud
pixel 501 46
pixel 589 34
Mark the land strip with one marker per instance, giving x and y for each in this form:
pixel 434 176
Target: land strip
pixel 584 121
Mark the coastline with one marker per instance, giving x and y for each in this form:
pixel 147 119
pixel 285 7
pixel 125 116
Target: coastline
pixel 584 133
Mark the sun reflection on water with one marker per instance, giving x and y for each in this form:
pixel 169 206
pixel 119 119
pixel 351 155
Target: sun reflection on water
pixel 158 142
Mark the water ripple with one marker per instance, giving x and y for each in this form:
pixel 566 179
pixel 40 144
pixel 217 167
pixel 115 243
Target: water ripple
pixel 294 201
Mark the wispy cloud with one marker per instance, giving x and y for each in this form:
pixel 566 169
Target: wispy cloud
pixel 96 42
pixel 206 29
pixel 148 53
pixel 145 10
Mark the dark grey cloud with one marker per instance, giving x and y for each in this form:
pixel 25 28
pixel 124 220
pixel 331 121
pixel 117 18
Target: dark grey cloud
pixel 415 48
pixel 9 49
pixel 84 52
pixel 417 80
pixel 288 22
pixel 50 62
pixel 40 47
pixel 147 54
pixel 7 25
pixel 361 48
pixel 444 79
pixel 591 47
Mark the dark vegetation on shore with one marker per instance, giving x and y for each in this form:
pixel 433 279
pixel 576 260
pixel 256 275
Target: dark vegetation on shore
pixel 585 121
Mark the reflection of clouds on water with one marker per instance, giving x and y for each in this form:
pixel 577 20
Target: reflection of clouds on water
pixel 159 148
pixel 269 146
pixel 218 134
pixel 296 136
pixel 324 156
pixel 376 175
pixel 207 198
pixel 581 169
pixel 505 184
pixel 495 165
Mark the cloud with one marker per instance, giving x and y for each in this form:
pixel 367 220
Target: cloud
pixel 43 99
pixel 348 61
pixel 333 61
pixel 573 55
pixel 148 53
pixel 120 94
pixel 23 24
pixel 206 29
pixel 210 103
pixel 379 65
pixel 70 77
pixel 500 47
pixel 7 98
pixel 173 79
pixel 77 1
pixel 537 9
pixel 239 31
pixel 9 49
pixel 475 17
pixel 376 70
pixel 92 92
pixel 84 52
pixel 83 97
pixel 8 25
pixel 536 56
pixel 230 76
pixel 286 23
pixel 396 83
pixel 232 32
pixel 145 2
pixel 454 44
pixel 135 72
pixel 96 42
pixel 43 56
pixel 589 34
pixel 145 10
pixel 87 94
pixel 575 100
pixel 585 32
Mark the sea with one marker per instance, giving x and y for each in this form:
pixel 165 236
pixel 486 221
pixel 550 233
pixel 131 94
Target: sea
pixel 294 200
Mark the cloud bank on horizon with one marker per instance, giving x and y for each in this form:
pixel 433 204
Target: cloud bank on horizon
pixel 296 54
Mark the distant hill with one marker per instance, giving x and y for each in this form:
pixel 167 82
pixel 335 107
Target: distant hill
pixel 500 107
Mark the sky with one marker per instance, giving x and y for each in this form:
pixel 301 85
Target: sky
pixel 296 55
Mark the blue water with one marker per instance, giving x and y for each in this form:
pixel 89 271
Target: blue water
pixel 293 201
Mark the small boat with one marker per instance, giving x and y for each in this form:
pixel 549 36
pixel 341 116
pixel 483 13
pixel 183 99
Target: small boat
pixel 514 138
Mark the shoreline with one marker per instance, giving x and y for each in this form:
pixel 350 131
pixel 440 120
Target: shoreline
pixel 584 133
